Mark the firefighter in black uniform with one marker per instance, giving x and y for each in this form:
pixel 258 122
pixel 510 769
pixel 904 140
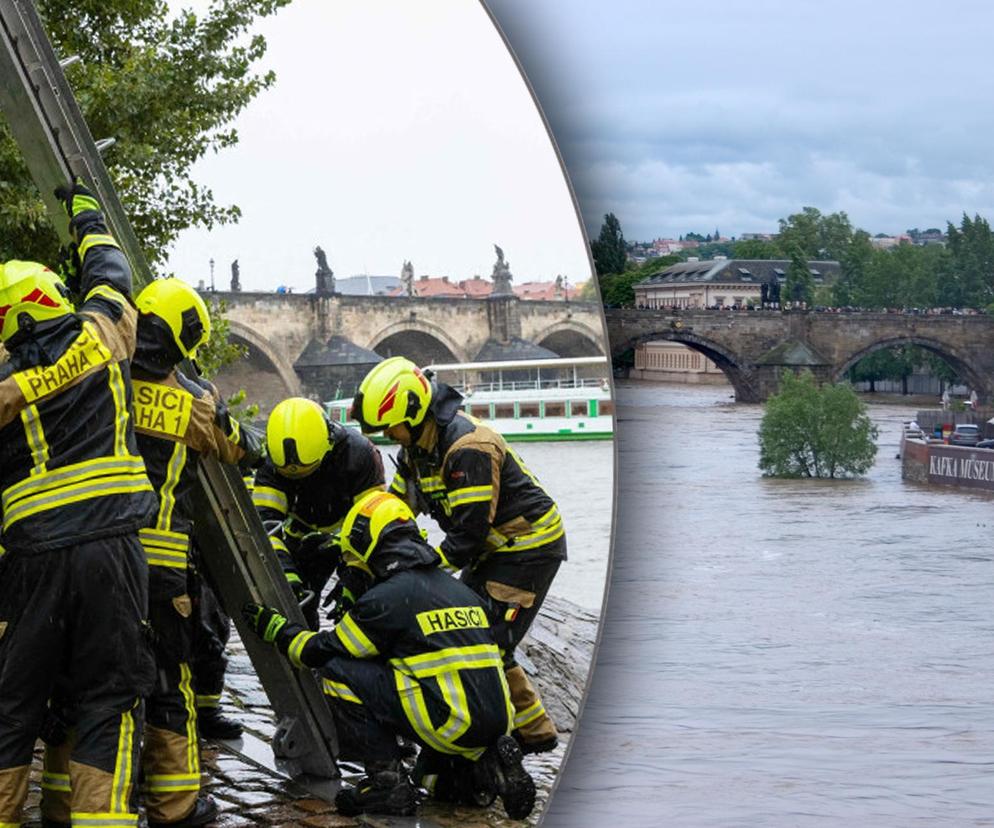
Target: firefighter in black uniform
pixel 176 419
pixel 74 494
pixel 502 529
pixel 314 471
pixel 414 657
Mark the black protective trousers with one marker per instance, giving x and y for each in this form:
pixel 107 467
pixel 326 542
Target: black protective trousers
pixel 74 617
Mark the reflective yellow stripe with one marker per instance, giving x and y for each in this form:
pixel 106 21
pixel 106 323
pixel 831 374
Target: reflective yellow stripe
pixel 470 494
pixel 167 495
pixel 236 431
pixel 431 484
pixel 163 548
pixel 121 783
pixel 339 691
pixel 455 697
pixel 529 714
pixel 277 544
pixel 190 703
pixel 107 292
pixel 413 702
pixel 475 657
pixel 10 825
pixel 55 782
pixel 115 381
pixel 66 495
pixel 84 357
pixel 266 497
pixel 209 700
pixel 95 240
pixel 398 485
pixel 103 820
pixel 165 783
pixel 68 475
pixel 34 433
pixel 354 639
pixel 297 647
pixel 546 529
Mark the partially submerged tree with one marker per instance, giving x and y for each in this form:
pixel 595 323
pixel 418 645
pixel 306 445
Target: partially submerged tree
pixel 812 431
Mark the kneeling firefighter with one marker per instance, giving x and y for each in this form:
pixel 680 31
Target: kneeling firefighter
pixel 414 657
pixel 502 529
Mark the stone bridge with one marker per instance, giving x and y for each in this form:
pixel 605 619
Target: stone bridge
pixel 753 347
pixel 278 328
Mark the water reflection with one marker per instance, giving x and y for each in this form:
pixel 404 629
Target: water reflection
pixel 784 652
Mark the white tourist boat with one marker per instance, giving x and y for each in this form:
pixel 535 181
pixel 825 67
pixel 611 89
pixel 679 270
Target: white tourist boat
pixel 567 398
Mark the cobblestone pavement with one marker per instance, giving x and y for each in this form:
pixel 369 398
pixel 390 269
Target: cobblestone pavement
pixel 248 796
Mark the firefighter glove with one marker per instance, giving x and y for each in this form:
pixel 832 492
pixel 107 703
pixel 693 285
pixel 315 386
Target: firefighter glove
pixel 76 198
pixel 265 622
pixel 70 268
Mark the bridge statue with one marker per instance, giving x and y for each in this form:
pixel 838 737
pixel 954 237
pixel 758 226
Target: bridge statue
pixel 501 275
pixel 236 282
pixel 324 276
pixel 407 278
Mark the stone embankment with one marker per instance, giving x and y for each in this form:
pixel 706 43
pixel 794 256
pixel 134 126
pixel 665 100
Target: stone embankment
pixel 557 655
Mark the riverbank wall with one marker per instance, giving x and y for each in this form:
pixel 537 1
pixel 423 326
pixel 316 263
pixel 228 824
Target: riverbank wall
pixel 939 464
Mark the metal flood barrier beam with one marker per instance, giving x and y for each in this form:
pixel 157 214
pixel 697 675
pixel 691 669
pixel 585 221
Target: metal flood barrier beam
pixel 55 141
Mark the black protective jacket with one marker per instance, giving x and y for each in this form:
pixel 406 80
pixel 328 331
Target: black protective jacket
pixel 477 488
pixel 320 501
pixel 177 420
pixel 70 470
pixel 435 634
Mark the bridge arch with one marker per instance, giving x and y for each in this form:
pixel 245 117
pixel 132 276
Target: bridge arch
pixel 262 349
pixel 950 353
pixel 570 338
pixel 726 360
pixel 396 330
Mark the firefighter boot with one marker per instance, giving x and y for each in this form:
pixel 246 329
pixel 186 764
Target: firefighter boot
pixel 533 728
pixel 513 784
pixel 204 812
pixel 213 724
pixel 379 792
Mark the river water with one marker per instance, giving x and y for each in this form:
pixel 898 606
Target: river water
pixel 783 653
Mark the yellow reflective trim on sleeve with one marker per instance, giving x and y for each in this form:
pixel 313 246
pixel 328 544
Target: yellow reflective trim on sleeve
pixel 266 497
pixel 297 647
pixel 277 544
pixel 338 690
pixel 354 639
pixel 107 292
pixel 167 495
pixel 470 494
pixel 398 485
pixel 34 433
pixel 91 240
pixel 433 483
pixel 546 529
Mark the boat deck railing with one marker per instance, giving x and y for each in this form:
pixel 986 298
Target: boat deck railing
pixel 531 385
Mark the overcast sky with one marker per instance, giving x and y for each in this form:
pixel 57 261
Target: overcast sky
pixel 395 131
pixel 731 115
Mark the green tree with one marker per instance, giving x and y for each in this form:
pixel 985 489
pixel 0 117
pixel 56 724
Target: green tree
pixel 818 236
pixel 167 87
pixel 609 247
pixel 799 285
pixel 617 289
pixel 812 431
pixel 970 282
pixel 757 249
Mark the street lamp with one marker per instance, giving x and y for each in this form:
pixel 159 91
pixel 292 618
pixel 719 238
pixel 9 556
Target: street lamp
pixel 212 274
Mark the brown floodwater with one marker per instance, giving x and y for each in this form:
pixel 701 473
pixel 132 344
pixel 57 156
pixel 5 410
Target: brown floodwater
pixel 783 653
